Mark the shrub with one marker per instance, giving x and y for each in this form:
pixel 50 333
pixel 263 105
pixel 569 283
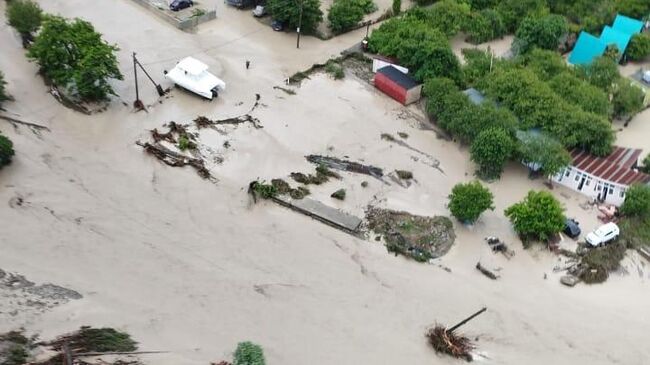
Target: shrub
pixel 6 151
pixel 334 69
pixel 539 216
pixel 368 6
pixel 4 96
pixel 248 353
pixel 397 7
pixel 484 26
pixel 581 93
pixel 288 12
pixel 468 201
pixel 645 167
pixel 104 340
pixel 602 72
pixel 491 150
pixel 74 56
pixel 639 47
pixel 637 201
pixel 514 11
pixel 24 15
pixel 344 15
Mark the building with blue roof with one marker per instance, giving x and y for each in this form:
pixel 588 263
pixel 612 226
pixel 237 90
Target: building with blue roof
pixel 588 47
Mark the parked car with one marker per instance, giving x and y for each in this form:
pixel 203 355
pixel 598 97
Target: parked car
pixel 177 5
pixel 241 4
pixel 193 75
pixel 646 76
pixel 277 25
pixel 259 11
pixel 603 235
pixel 572 228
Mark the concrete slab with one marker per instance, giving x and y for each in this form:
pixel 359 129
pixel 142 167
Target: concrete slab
pixel 322 212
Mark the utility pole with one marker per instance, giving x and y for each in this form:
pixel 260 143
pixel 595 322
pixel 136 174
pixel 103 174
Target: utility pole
pixel 299 24
pixel 137 104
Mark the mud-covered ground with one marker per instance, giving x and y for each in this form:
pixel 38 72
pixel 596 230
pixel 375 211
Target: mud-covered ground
pixel 192 267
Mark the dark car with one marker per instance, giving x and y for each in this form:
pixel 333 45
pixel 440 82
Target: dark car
pixel 177 5
pixel 572 228
pixel 241 4
pixel 277 25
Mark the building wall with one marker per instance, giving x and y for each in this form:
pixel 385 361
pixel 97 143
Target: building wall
pixel 591 186
pixel 389 87
pixel 413 95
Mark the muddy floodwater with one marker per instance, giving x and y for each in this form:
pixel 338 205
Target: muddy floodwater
pixel 193 267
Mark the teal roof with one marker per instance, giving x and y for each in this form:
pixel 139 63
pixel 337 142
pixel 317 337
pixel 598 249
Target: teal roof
pixel 616 37
pixel 586 49
pixel 627 25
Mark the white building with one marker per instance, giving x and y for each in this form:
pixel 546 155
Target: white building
pixel 603 178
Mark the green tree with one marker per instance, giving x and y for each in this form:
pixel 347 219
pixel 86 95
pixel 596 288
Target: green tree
pixel 25 16
pixel 581 93
pixel 418 46
pixel 468 201
pixel 639 47
pixel 344 15
pixel 4 96
pixel 248 353
pixel 603 73
pixel 538 217
pixel 491 150
pixel 483 4
pixel 545 63
pixel 627 100
pixel 540 32
pixel 637 201
pixel 397 7
pixel 633 8
pixel 448 16
pixel 543 150
pixel 73 55
pixel 514 11
pixel 6 151
pixel 288 12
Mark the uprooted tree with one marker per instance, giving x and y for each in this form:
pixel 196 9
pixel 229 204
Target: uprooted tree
pixel 74 56
pixel 248 353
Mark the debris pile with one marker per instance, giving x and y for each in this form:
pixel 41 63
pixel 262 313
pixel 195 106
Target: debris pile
pixel 449 342
pixel 83 347
pixel 593 265
pixel 499 246
pixel 323 174
pixel 345 165
pixel 490 274
pixel 420 238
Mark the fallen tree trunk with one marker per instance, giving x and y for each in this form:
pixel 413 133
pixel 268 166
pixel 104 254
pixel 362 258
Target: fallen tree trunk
pixel 485 271
pixel 176 159
pixel 345 165
pixel 21 122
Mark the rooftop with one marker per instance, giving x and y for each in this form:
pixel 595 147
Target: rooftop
pixel 617 167
pixel 398 77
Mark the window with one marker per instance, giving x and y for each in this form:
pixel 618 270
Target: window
pixel 568 172
pixel 588 181
pixel 622 193
pixel 578 175
pixel 611 190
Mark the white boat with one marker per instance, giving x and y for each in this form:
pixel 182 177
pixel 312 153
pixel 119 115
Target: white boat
pixel 193 75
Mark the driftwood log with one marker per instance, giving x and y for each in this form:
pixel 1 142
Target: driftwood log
pixel 485 271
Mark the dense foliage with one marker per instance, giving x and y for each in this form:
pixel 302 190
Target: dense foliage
pixel 639 47
pixel 542 150
pixel 417 45
pixel 455 113
pixel 73 55
pixel 581 93
pixel 491 149
pixel 484 25
pixel 540 32
pixel 515 11
pixel 645 167
pixel 538 106
pixel 248 353
pixel 468 201
pixel 344 15
pixel 627 100
pixel 288 12
pixel 538 217
pixel 637 201
pixel 24 15
pixel 6 151
pixel 602 73
pixel 397 7
pixel 591 15
pixel 4 96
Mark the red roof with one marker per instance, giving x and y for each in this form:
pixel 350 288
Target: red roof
pixel 617 167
